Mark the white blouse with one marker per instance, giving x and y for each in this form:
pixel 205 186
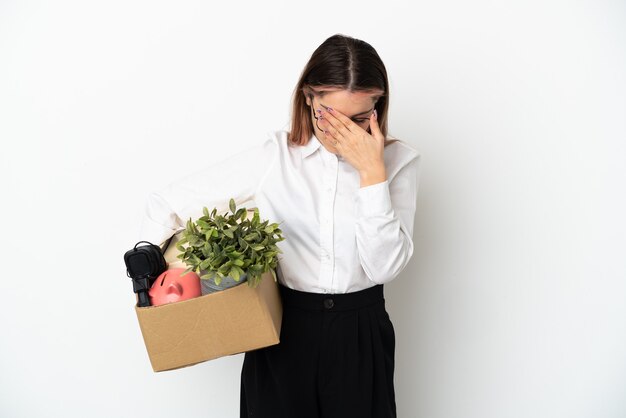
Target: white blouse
pixel 339 237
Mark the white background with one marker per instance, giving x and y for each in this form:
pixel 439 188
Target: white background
pixel 513 304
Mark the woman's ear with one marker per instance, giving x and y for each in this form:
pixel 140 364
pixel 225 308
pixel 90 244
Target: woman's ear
pixel 307 96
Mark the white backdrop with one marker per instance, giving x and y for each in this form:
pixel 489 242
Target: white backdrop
pixel 513 304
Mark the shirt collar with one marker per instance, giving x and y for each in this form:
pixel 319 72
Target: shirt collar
pixel 310 147
pixel 313 145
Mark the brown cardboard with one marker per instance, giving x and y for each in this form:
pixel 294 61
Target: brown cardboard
pixel 228 322
pixel 171 252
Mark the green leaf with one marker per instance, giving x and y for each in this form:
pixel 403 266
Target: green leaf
pixel 252 236
pixel 203 224
pixel 230 244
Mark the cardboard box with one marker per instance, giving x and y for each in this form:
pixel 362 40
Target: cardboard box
pixel 227 322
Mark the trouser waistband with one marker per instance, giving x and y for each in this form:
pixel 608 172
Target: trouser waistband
pixel 331 301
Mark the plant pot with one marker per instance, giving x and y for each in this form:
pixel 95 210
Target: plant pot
pixel 209 286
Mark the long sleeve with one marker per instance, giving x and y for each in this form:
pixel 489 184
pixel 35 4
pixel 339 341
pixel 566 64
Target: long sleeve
pixel 384 226
pixel 239 176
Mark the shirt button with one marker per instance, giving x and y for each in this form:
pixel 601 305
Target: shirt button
pixel 328 303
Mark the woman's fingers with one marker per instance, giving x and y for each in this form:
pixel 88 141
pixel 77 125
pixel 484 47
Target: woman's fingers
pixel 336 123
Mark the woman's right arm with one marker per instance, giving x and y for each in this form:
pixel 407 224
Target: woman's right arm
pixel 239 176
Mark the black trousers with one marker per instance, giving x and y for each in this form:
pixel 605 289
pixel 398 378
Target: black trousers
pixel 335 359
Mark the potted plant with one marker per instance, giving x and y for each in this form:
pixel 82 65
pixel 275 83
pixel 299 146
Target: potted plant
pixel 226 250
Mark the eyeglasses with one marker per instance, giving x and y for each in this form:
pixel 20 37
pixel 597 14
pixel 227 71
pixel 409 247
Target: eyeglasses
pixel 362 121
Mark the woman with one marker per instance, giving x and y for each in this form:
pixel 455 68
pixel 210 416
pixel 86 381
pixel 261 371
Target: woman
pixel 345 197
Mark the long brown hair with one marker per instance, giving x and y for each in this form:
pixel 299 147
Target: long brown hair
pixel 340 62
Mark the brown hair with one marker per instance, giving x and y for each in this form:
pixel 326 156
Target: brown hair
pixel 340 63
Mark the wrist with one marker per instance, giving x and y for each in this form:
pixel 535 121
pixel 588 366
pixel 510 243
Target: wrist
pixel 373 176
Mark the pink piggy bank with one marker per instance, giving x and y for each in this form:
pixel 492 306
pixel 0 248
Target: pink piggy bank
pixel 170 287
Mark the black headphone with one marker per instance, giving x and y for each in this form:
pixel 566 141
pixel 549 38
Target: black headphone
pixel 144 264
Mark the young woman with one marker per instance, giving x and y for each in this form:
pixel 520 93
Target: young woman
pixel 345 198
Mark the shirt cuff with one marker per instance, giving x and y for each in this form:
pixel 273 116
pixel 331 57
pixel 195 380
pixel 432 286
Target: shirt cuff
pixel 155 233
pixel 373 199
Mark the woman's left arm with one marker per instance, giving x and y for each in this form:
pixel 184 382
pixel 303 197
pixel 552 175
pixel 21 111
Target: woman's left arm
pixel 384 226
